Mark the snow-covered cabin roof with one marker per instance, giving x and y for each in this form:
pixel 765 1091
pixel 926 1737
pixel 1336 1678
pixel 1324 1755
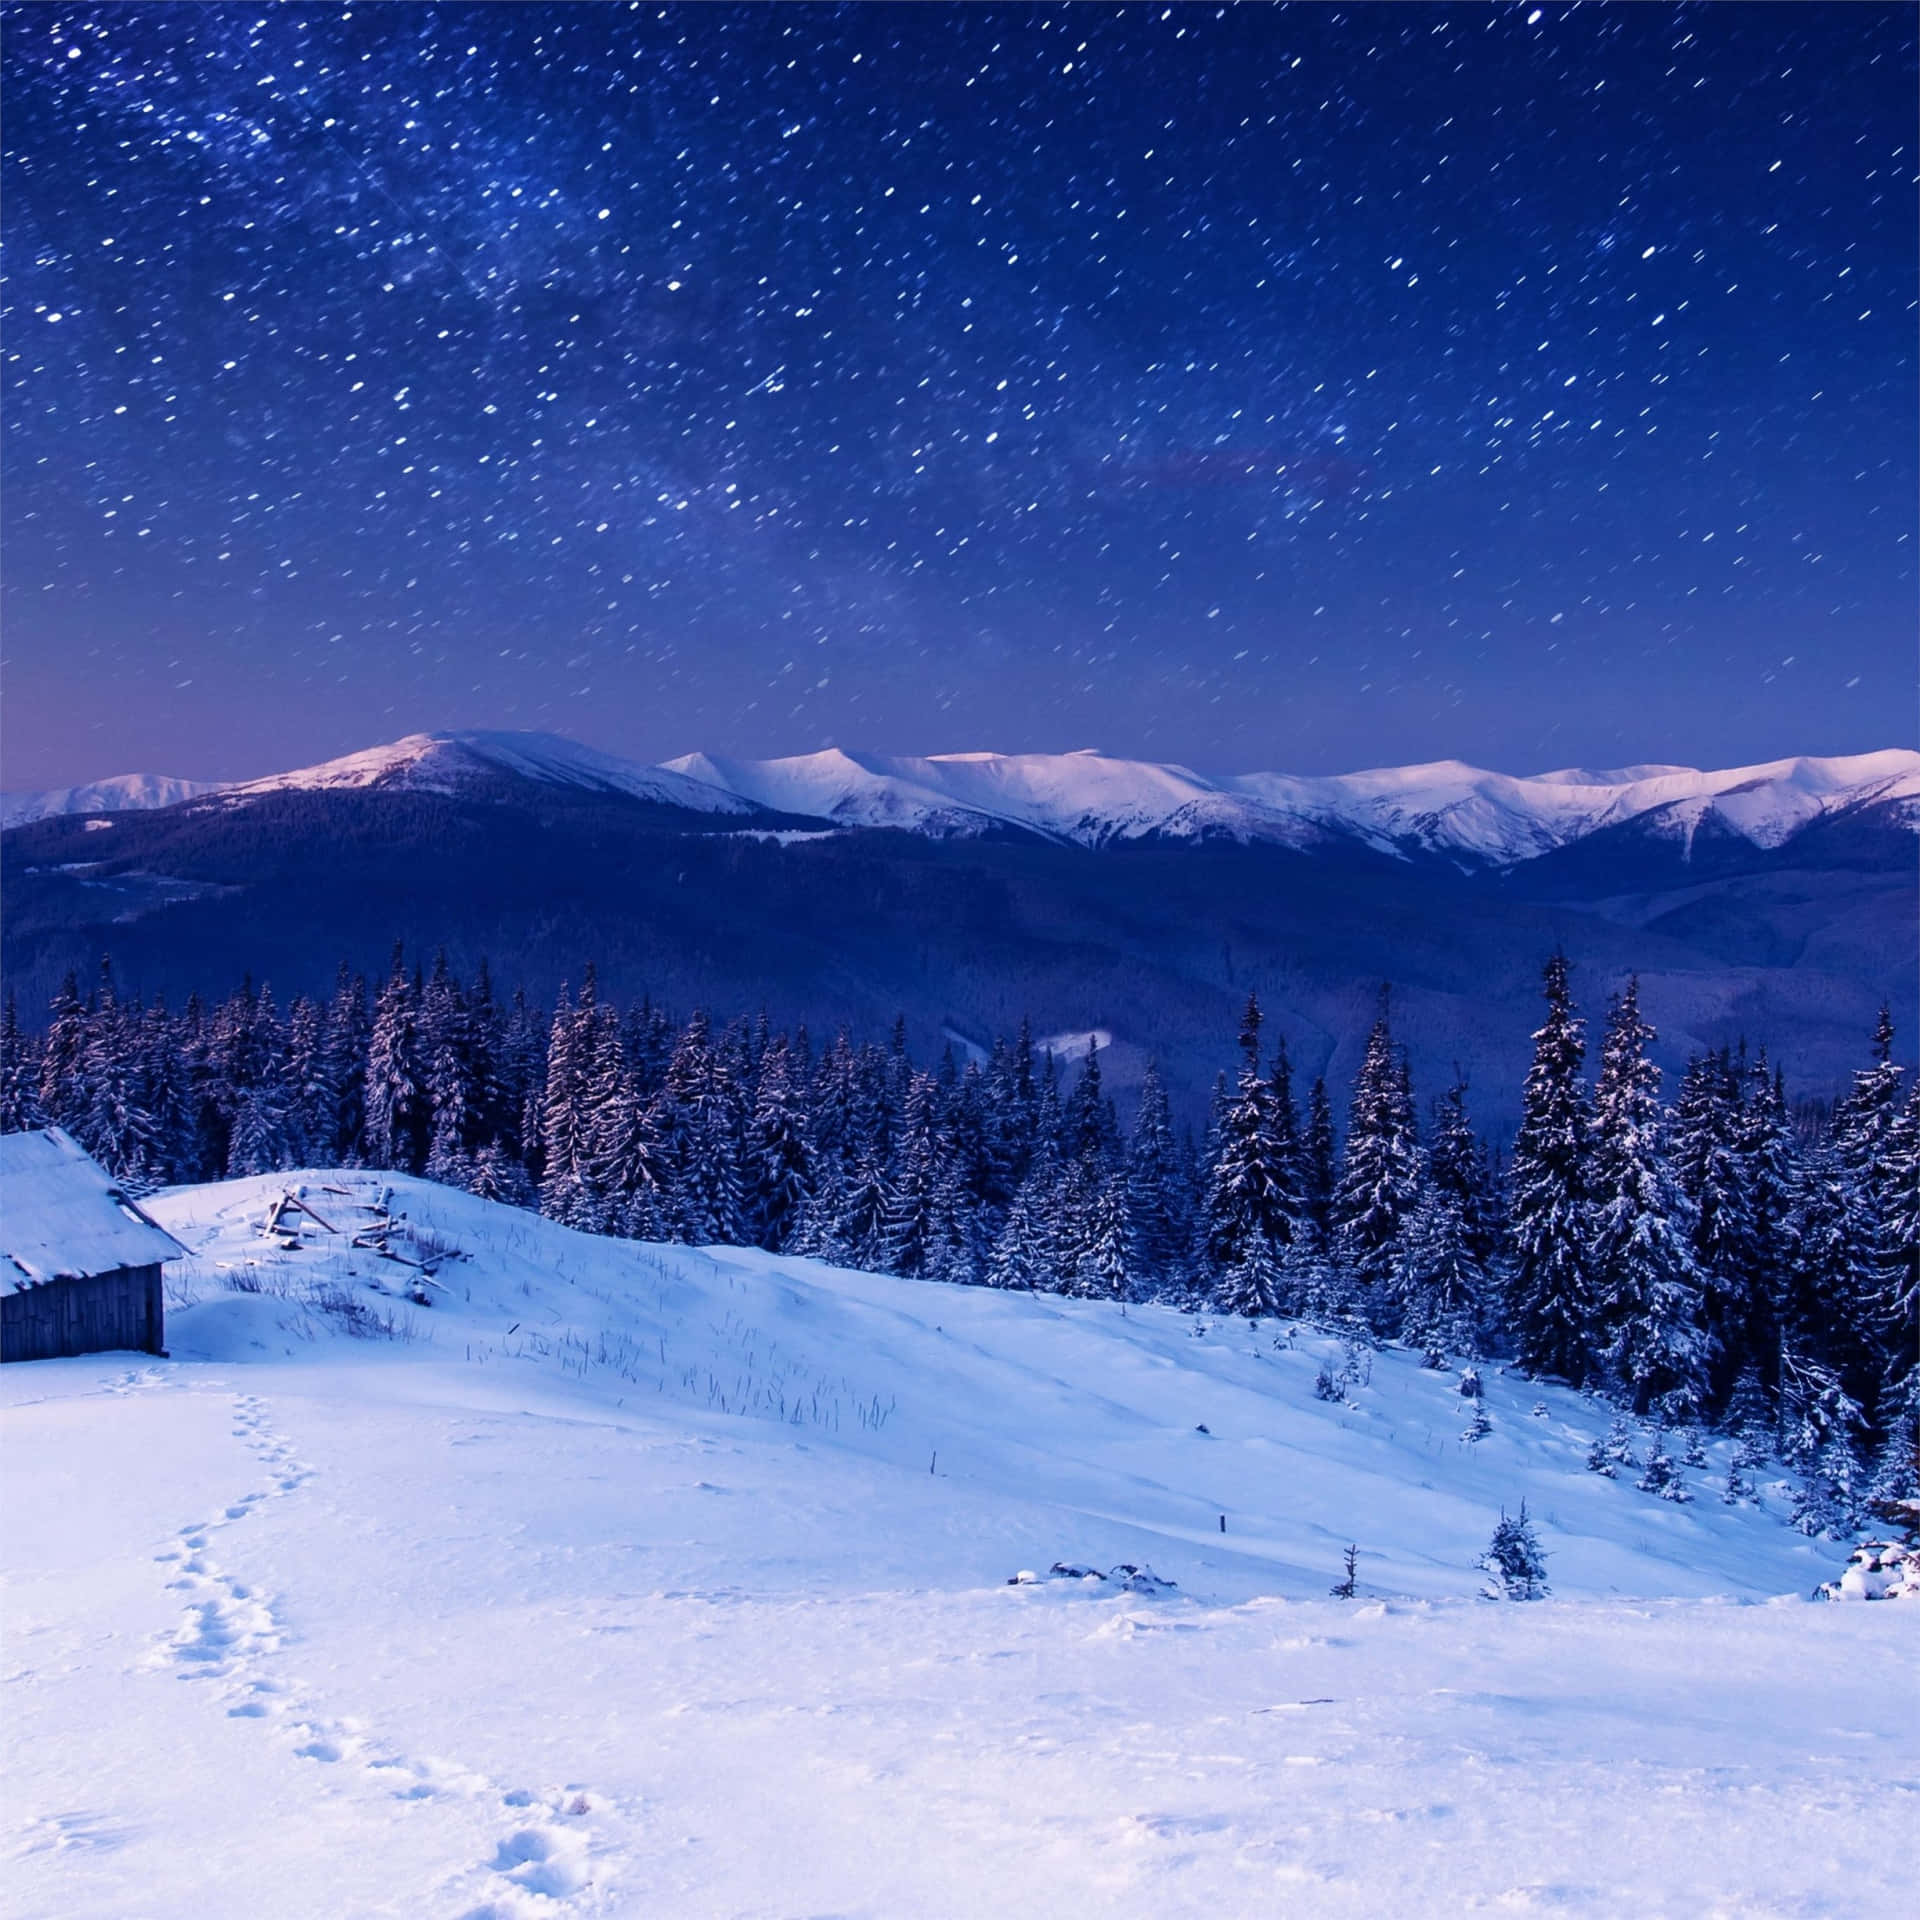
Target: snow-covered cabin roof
pixel 63 1216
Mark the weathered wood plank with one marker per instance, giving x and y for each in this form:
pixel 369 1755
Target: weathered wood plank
pixel 122 1311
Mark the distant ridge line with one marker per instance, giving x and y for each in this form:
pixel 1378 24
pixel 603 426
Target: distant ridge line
pixel 1448 809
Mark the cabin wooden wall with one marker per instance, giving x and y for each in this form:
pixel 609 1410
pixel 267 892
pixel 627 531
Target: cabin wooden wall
pixel 105 1313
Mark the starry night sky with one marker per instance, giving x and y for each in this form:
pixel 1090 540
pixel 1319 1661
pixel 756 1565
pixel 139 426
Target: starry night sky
pixel 1306 388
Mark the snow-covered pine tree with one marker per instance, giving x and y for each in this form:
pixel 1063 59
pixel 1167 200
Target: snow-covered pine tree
pixel 340 1137
pixel 1612 1450
pixel 1439 1283
pixel 396 1107
pixel 1820 1434
pixel 566 1192
pixel 1549 1212
pixel 1104 1270
pixel 907 1224
pixel 251 1050
pixel 1709 1170
pixel 522 1058
pixel 309 1109
pixel 1514 1561
pixel 1158 1211
pixel 63 1095
pixel 19 1073
pixel 1865 1120
pixel 1749 1412
pixel 1647 1291
pixel 1090 1133
pixel 625 1166
pixel 113 1124
pixel 449 1077
pixel 779 1162
pixel 168 1096
pixel 709 1124
pixel 1318 1163
pixel 1900 1239
pixel 1896 1467
pixel 1442 1283
pixel 1026 1251
pixel 1379 1183
pixel 1253 1205
pixel 1766 1147
pixel 1829 1311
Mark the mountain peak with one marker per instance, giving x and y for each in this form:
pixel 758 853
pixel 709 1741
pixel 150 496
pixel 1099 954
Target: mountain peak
pixel 1444 808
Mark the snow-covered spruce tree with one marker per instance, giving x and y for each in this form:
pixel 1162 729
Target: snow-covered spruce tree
pixel 907 1225
pixel 1710 1172
pixel 1766 1146
pixel 19 1073
pixel 1829 1310
pixel 1442 1281
pixel 1821 1429
pixel 563 1121
pixel 1900 1240
pixel 1549 1212
pixel 339 1118
pixel 63 1094
pixel 110 1118
pixel 1090 1132
pixel 1379 1183
pixel 1103 1270
pixel 397 1114
pixel 709 1121
pixel 779 1161
pixel 1647 1293
pixel 168 1095
pixel 1026 1250
pixel 309 1102
pixel 1157 1209
pixel 1514 1562
pixel 449 1063
pixel 1612 1450
pixel 1253 1201
pixel 1318 1163
pixel 250 1049
pixel 625 1166
pixel 1867 1143
pixel 1896 1467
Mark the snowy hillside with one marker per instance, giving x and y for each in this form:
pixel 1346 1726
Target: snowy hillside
pixel 128 792
pixel 1461 813
pixel 627 1579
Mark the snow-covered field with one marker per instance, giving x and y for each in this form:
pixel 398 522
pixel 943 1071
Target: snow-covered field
pixel 637 1580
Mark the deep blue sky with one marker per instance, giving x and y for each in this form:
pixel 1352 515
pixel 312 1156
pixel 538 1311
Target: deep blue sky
pixel 1254 387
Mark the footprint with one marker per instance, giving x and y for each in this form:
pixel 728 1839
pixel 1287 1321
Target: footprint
pixel 547 1860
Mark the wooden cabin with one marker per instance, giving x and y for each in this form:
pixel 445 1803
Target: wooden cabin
pixel 79 1261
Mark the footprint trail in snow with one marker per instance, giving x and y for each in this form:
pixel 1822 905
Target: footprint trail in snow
pixel 546 1860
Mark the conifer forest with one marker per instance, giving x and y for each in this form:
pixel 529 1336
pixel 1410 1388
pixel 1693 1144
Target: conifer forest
pixel 1720 1257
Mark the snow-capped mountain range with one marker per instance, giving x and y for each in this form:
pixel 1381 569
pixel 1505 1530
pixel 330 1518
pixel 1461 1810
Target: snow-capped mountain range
pixel 1460 813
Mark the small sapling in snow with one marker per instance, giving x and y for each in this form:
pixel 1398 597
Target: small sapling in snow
pixel 1514 1561
pixel 1344 1589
